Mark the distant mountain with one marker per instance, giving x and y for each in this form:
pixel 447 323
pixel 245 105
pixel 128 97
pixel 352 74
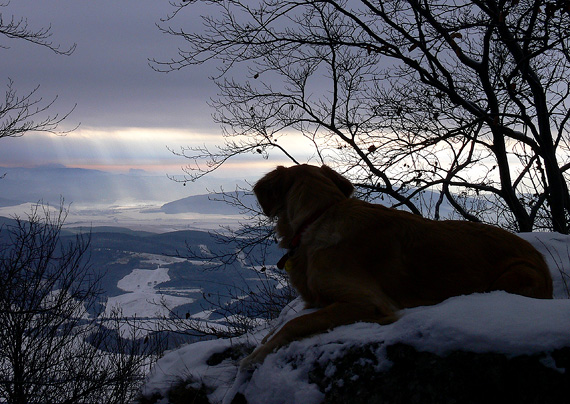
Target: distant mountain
pixel 5 221
pixel 215 203
pixel 78 185
pixel 109 229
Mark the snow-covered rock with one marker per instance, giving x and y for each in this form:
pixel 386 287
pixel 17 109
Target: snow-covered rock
pixel 496 345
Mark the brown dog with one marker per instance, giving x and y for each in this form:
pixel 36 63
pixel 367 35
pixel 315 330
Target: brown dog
pixel 357 261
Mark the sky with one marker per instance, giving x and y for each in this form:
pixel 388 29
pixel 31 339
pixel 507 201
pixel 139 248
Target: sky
pixel 128 114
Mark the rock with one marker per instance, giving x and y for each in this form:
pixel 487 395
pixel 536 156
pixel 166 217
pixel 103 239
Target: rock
pixel 459 377
pixel 480 348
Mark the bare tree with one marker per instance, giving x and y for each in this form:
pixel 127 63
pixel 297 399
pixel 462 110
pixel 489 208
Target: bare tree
pixel 427 104
pixel 54 347
pixel 242 304
pixel 27 112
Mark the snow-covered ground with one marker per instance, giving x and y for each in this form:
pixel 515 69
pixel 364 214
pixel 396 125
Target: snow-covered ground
pixel 492 322
pixel 144 297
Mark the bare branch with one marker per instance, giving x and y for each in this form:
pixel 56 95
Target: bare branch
pixel 401 96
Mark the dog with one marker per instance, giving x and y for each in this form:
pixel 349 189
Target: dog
pixel 355 261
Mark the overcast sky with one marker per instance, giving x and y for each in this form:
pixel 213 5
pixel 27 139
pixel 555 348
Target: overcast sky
pixel 127 112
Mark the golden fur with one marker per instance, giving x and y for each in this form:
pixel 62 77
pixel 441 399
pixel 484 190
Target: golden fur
pixel 363 262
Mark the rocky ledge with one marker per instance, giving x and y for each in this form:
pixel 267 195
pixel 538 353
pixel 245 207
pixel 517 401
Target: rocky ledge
pixel 480 348
pixel 458 377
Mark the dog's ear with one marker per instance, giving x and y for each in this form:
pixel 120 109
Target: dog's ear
pixel 342 183
pixel 271 190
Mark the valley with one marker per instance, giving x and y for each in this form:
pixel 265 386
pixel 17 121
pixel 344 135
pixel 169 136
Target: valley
pixel 165 279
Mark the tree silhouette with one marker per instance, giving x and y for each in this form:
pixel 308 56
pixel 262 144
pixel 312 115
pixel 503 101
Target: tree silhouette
pixel 425 104
pixel 54 346
pixel 20 114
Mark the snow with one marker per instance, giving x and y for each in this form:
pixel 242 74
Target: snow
pixel 189 363
pixel 144 299
pixel 490 322
pixel 143 279
pixel 555 248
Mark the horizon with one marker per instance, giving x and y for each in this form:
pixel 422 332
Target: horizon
pixel 124 115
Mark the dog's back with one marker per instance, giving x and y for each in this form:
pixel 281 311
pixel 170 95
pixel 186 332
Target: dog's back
pixel 421 261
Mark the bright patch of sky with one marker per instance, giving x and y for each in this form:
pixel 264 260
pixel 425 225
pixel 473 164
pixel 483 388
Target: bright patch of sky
pixel 127 113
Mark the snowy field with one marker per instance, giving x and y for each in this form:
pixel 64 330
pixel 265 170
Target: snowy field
pixel 492 322
pixel 145 297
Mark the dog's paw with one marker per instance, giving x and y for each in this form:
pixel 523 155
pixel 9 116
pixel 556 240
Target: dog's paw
pixel 256 358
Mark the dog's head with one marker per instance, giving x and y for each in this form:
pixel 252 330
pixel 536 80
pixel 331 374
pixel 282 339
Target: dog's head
pixel 272 190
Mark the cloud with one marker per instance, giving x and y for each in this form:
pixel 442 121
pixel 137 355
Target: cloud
pixel 96 148
pixel 128 113
pixel 108 75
